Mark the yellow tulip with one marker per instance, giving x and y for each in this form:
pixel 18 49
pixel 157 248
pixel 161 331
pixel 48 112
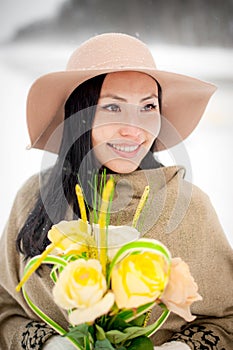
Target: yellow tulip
pixel 139 279
pixel 81 203
pixel 106 195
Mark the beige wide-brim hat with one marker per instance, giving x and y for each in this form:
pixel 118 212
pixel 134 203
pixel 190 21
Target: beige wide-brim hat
pixel 184 98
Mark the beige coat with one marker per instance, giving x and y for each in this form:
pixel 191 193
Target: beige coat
pixel 178 214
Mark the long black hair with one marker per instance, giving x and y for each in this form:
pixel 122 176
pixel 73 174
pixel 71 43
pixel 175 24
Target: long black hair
pixel 75 164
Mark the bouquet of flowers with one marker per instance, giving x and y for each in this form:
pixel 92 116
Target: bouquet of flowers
pixel 109 279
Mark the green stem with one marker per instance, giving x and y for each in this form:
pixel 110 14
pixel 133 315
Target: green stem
pixel 129 315
pixel 37 310
pixel 157 324
pixel 48 320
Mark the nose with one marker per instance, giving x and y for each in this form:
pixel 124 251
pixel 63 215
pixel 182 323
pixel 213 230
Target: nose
pixel 130 124
pixel 131 131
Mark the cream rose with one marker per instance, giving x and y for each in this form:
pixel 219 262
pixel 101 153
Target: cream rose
pixel 74 237
pixel 139 279
pixel 80 285
pixel 181 290
pixel 71 237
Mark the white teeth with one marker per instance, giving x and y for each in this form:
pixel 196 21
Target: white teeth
pixel 124 148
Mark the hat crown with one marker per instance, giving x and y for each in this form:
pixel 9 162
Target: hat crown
pixel 113 51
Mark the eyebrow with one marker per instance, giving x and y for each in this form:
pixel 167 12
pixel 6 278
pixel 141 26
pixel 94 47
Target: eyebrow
pixel 115 97
pixel 149 97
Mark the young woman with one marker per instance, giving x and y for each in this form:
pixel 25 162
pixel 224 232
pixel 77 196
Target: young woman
pixel 112 109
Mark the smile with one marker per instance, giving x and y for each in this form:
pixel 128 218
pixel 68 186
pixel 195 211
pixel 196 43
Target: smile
pixel 124 148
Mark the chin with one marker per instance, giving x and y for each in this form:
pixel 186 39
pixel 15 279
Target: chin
pixel 122 166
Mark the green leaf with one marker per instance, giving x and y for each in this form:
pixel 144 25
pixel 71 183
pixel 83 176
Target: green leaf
pixel 115 336
pixel 79 331
pixel 87 345
pixel 134 332
pixel 104 345
pixel 91 331
pixel 100 334
pixel 116 322
pixel 82 335
pixel 141 343
pixel 139 321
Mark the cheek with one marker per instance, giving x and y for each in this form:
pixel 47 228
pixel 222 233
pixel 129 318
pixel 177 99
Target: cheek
pixel 156 128
pixel 100 134
pixel 94 137
pixel 152 127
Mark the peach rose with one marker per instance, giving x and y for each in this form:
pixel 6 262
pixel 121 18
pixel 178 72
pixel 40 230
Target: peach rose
pixel 181 290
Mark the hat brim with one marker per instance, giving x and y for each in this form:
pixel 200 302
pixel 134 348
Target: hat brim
pixel 184 100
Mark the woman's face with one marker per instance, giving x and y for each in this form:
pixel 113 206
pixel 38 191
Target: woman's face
pixel 127 120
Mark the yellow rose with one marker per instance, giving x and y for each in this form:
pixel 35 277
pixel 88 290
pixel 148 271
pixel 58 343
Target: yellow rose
pixel 181 290
pixel 71 237
pixel 81 285
pixel 139 279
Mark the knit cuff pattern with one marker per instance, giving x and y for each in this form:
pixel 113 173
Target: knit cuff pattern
pixel 35 335
pixel 198 338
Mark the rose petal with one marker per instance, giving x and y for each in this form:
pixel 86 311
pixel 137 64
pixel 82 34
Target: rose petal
pixel 181 290
pixel 89 314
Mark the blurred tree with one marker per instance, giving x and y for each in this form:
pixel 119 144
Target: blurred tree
pixel 199 22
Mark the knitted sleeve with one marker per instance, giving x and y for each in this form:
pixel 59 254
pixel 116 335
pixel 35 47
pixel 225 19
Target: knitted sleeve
pixel 212 263
pixel 200 241
pixel 19 329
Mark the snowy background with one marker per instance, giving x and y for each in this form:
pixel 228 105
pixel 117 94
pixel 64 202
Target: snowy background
pixel 22 60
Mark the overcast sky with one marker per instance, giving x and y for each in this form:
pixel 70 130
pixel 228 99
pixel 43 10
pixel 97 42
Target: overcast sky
pixel 15 13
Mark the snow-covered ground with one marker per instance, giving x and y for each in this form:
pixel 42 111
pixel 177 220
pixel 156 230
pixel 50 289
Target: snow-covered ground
pixel 209 148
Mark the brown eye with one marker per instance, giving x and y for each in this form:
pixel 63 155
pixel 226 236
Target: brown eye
pixel 149 107
pixel 112 107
